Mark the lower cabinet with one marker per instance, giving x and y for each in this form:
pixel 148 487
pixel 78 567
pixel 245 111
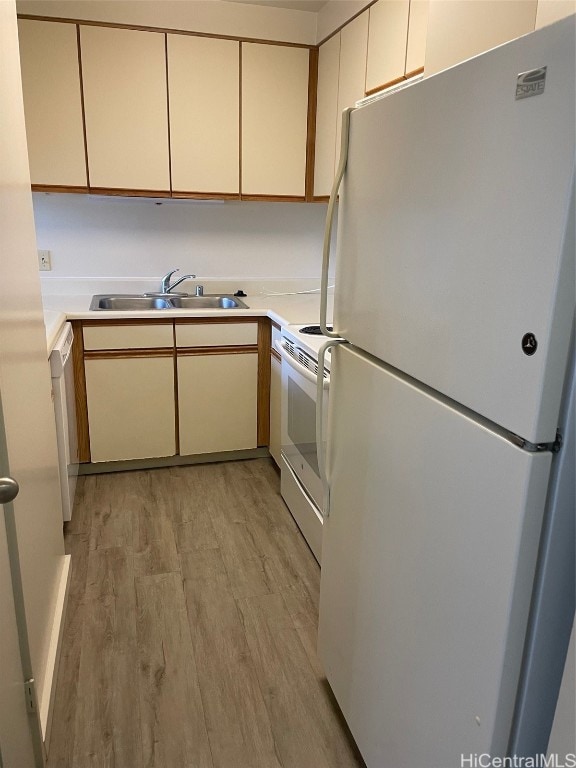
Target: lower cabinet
pixel 130 407
pixel 148 390
pixel 217 401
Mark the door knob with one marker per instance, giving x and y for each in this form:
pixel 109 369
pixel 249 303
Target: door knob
pixel 8 489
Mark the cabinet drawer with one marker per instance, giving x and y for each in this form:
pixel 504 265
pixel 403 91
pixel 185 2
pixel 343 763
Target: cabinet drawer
pixel 216 334
pixel 128 336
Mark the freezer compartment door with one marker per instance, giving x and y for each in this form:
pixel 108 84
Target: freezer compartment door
pixel 455 255
pixel 427 569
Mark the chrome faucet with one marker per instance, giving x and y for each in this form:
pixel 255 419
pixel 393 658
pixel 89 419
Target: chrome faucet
pixel 199 290
pixel 165 286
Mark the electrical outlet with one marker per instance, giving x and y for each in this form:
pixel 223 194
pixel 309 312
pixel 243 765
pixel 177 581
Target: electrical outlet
pixel 44 261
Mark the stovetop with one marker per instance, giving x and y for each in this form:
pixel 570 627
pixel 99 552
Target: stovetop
pixel 313 330
pixel 309 342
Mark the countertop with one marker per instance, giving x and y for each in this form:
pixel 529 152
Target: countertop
pixel 289 309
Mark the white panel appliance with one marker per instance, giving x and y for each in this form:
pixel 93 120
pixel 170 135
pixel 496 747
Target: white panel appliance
pixel 448 486
pixel 65 413
pixel 301 485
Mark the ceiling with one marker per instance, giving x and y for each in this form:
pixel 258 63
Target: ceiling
pixel 295 5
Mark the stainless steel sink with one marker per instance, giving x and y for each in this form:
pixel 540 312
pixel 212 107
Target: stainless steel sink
pixel 207 301
pixel 121 302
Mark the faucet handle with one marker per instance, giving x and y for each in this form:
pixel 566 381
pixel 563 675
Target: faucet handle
pixel 165 281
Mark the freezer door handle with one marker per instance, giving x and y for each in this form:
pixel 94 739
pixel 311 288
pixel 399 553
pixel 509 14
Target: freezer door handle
pixel 322 464
pixel 330 220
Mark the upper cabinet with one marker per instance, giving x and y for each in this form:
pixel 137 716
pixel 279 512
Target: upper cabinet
pixel 326 115
pixel 117 110
pixel 387 36
pixel 352 75
pixel 274 119
pixel 417 31
pixel 52 103
pixel 459 29
pixel 204 94
pixel 550 11
pixel 126 108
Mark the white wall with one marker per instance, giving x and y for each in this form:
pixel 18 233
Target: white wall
pixel 119 237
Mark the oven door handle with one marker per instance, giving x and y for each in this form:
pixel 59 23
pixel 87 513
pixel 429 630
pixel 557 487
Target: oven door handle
pixel 301 369
pixel 322 463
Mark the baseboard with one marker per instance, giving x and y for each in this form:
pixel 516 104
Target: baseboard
pixel 171 461
pixel 53 661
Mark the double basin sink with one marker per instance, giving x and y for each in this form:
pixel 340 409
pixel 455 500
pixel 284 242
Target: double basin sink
pixel 119 302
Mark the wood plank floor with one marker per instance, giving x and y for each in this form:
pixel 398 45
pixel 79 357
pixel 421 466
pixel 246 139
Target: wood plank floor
pixel 190 632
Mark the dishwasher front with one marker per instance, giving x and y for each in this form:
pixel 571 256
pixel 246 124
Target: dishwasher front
pixel 65 412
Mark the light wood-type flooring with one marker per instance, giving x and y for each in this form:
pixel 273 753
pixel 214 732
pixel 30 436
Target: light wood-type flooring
pixel 190 634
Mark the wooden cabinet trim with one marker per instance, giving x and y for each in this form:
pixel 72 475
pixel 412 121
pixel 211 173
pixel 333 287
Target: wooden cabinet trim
pixel 275 198
pixel 414 72
pixel 276 325
pixel 162 30
pixel 264 376
pixel 276 355
pixel 80 396
pixel 246 349
pixel 128 321
pixel 168 112
pixel 215 320
pixel 311 130
pixel 177 194
pixel 121 192
pixel 395 82
pixel 109 354
pixel 59 188
pixel 82 105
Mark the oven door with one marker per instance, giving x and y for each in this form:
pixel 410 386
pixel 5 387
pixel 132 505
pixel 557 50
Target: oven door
pixel 299 447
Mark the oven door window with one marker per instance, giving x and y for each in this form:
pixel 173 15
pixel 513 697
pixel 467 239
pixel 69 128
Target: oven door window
pixel 302 424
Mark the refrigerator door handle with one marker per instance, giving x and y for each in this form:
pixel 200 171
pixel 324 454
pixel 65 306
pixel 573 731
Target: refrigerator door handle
pixel 330 220
pixel 320 388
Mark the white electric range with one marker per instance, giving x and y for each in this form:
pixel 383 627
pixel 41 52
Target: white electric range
pixel 301 485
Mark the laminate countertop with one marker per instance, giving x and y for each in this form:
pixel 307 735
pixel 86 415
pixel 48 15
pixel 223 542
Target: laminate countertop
pixel 287 309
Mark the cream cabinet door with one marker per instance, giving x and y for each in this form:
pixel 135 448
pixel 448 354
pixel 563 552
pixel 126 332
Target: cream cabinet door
pixel 352 79
pixel 217 402
pixel 387 38
pixel 326 115
pixel 460 29
pixel 126 108
pixel 417 30
pixel 275 408
pixel 131 410
pixel 204 91
pixel 52 102
pixel 274 119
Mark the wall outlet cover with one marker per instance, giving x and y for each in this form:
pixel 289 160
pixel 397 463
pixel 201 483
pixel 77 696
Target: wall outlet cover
pixel 44 261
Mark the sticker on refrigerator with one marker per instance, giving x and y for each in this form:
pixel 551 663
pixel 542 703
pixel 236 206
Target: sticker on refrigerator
pixel 530 83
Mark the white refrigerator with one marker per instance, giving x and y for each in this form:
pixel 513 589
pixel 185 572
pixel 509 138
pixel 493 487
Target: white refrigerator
pixel 450 456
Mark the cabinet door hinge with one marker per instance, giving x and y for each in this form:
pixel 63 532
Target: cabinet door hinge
pixel 30 694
